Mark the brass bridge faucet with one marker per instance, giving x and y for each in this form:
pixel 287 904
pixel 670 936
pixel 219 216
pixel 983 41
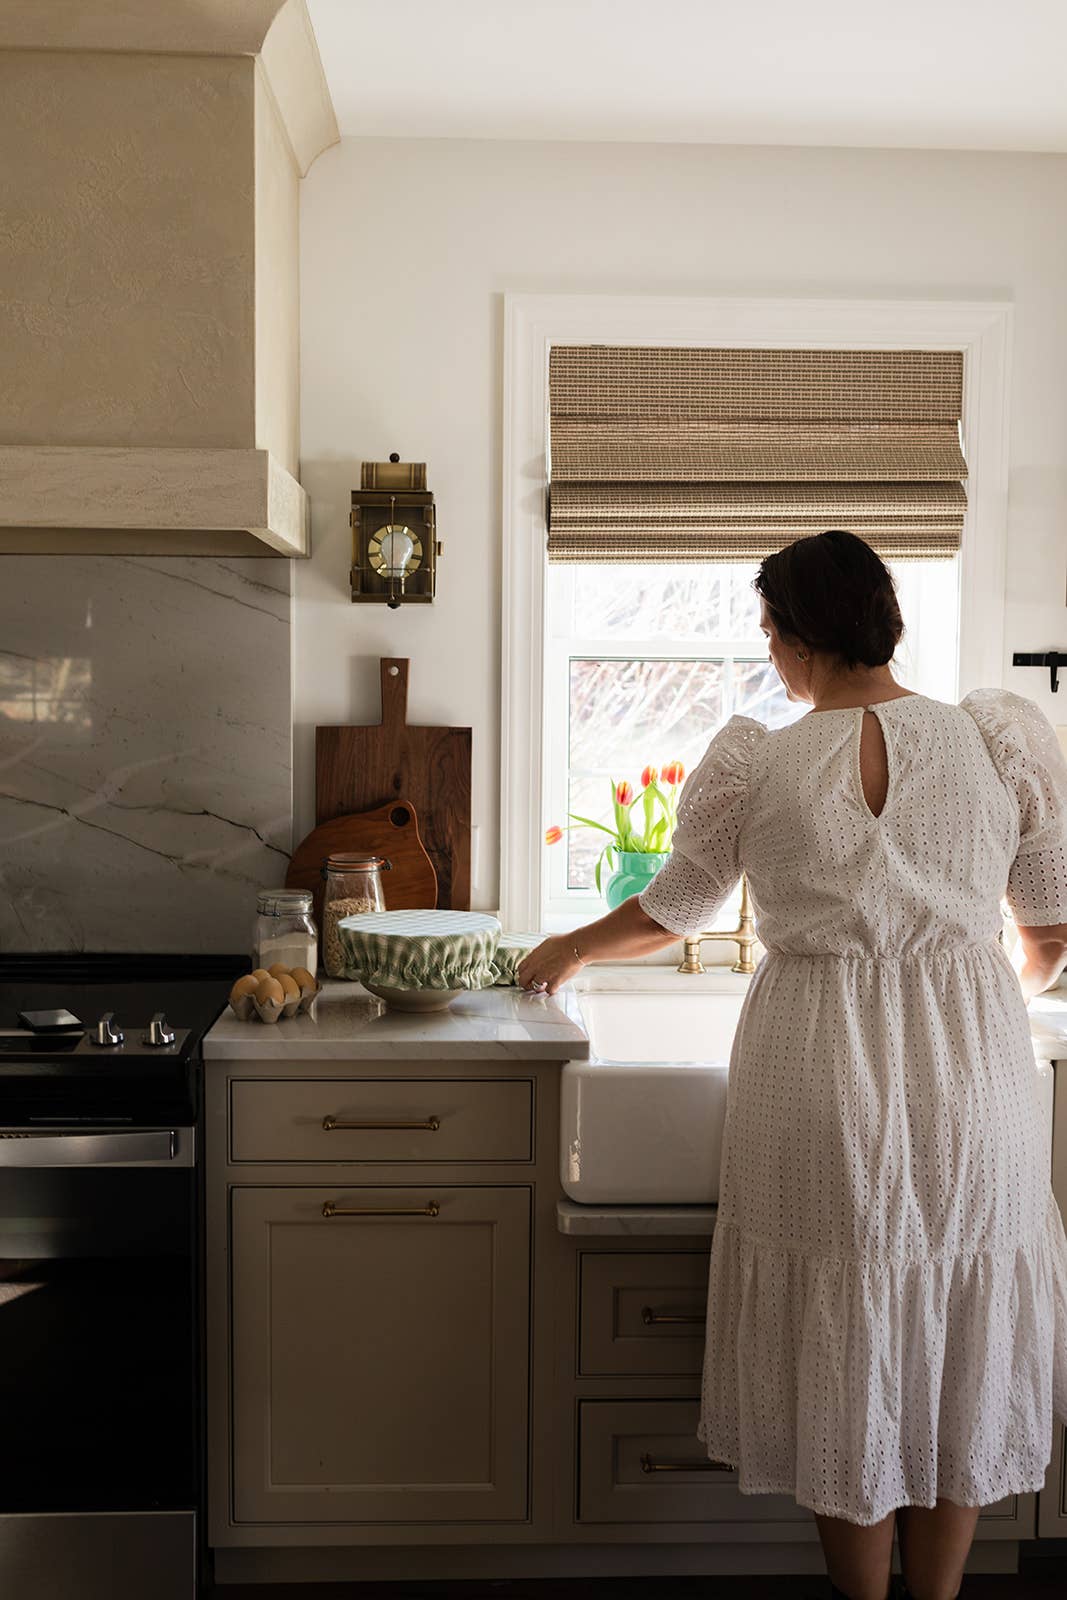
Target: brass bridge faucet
pixel 744 933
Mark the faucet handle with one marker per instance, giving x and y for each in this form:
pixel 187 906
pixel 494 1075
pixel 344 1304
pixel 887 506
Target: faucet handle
pixel 691 961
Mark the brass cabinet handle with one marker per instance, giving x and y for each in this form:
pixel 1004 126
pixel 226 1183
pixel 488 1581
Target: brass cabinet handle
pixel 650 1318
pixel 648 1465
pixel 430 1209
pixel 330 1124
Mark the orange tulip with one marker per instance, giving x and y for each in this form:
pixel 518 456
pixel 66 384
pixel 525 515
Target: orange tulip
pixel 553 835
pixel 624 793
pixel 673 772
pixel 649 775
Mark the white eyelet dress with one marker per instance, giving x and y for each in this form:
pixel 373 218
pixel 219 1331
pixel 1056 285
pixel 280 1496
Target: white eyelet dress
pixel 887 1297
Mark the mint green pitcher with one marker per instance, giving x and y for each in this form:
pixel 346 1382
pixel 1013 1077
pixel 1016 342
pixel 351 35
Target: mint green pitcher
pixel 633 872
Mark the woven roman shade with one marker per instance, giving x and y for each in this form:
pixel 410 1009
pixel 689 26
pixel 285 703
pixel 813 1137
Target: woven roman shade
pixel 727 455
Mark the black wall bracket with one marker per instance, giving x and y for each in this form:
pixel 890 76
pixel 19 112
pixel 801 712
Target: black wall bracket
pixel 1053 659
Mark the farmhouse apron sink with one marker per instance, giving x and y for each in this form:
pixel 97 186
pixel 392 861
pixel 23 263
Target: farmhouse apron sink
pixel 641 1121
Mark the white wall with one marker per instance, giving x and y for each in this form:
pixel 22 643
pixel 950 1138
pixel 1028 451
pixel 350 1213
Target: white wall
pixel 407 247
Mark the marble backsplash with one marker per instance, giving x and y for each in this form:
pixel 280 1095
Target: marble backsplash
pixel 145 750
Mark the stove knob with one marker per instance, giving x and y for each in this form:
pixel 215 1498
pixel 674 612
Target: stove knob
pixel 159 1032
pixel 105 1032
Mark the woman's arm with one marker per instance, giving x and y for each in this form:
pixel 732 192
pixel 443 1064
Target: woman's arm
pixel 1039 956
pixel 623 933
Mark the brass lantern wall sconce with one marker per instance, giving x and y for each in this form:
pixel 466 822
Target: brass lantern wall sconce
pixel 394 534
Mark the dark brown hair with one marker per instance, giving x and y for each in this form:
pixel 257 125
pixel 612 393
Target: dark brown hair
pixel 831 592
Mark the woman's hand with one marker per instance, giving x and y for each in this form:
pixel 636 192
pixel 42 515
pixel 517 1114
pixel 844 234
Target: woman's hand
pixel 624 933
pixel 551 964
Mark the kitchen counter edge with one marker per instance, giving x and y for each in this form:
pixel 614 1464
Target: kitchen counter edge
pixel 347 1023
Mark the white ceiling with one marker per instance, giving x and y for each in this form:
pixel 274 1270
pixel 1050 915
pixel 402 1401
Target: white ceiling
pixel 934 74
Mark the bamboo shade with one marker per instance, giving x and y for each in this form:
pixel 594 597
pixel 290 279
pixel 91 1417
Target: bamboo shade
pixel 727 455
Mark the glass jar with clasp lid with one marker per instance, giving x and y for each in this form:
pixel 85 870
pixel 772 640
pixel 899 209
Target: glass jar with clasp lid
pixel 285 933
pixel 353 883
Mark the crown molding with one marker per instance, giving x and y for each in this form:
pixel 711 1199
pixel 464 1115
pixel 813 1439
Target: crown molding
pixel 176 27
pixel 277 32
pixel 291 63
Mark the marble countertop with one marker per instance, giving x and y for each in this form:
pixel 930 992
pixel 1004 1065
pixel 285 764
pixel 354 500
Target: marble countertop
pixel 347 1023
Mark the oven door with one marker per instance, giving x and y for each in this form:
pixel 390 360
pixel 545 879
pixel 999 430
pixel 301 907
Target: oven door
pixel 98 1333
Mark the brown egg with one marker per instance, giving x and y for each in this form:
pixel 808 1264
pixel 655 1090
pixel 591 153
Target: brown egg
pixel 246 985
pixel 259 973
pixel 278 971
pixel 290 987
pixel 270 989
pixel 303 978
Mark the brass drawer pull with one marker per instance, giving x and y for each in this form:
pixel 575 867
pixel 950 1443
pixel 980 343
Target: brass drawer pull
pixel 648 1465
pixel 650 1318
pixel 430 1209
pixel 331 1124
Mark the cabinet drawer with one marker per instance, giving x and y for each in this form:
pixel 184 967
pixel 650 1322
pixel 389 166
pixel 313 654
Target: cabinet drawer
pixel 643 1315
pixel 641 1461
pixel 381 1119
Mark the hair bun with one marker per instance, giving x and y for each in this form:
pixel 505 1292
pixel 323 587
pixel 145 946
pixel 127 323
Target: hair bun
pixel 834 593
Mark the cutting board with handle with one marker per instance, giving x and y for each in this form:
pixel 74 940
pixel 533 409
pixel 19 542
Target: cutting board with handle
pixel 357 768
pixel 390 831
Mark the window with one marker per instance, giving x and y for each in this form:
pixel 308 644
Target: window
pixel 644 663
pixel 954 615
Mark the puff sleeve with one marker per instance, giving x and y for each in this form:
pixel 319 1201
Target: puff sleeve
pixel 1026 752
pixel 704 865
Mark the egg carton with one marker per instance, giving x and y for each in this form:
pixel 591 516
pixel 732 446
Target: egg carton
pixel 247 1006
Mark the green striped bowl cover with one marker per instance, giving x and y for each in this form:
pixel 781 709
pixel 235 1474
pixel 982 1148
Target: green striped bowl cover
pixel 421 949
pixel 512 949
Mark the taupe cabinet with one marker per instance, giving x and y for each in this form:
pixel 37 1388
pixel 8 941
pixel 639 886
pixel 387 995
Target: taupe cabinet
pixel 381 1338
pixel 642 1314
pixel 404 1351
pixel 370 1262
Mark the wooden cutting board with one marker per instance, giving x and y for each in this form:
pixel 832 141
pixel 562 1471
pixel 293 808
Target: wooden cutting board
pixel 357 768
pixel 391 831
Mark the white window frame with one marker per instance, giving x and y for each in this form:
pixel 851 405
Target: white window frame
pixel 980 330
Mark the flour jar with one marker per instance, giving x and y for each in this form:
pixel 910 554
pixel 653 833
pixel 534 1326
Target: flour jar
pixel 353 884
pixel 285 931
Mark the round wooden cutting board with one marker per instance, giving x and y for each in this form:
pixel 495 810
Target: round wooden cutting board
pixel 391 831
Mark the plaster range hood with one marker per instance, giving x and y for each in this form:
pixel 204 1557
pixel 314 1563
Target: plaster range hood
pixel 97 500
pixel 150 402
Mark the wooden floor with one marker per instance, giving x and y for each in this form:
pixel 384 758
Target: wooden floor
pixel 976 1586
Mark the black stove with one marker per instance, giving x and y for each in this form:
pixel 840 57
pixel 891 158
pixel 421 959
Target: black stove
pixel 131 1053
pixel 102 1476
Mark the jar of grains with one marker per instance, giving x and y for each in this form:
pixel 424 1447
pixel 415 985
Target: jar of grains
pixel 353 884
pixel 284 931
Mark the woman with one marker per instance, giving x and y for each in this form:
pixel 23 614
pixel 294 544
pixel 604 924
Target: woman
pixel 887 1308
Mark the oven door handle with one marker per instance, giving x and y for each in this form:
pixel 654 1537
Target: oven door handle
pixel 149 1147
